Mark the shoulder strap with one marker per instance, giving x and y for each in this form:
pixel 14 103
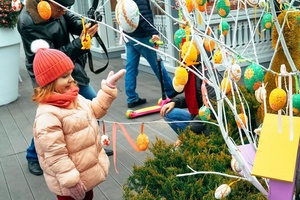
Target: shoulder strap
pixel 91 59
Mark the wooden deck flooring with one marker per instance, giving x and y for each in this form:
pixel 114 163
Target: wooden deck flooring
pixel 16 120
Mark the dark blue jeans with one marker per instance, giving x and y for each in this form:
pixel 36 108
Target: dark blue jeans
pixel 88 92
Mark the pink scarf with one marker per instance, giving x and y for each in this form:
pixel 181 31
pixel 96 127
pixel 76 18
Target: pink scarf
pixel 62 100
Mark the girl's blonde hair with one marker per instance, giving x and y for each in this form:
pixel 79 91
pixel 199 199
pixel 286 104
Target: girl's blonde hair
pixel 42 93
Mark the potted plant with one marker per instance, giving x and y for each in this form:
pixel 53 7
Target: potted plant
pixel 9 50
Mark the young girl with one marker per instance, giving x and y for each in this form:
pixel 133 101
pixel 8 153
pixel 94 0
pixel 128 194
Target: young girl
pixel 66 131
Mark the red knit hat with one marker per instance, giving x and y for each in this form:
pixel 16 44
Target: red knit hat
pixel 48 64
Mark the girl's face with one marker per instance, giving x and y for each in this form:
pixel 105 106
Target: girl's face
pixel 63 83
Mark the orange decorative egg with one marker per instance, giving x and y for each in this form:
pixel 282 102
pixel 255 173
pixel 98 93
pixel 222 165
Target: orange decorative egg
pixel 209 44
pixel 277 99
pixel 189 5
pixel 244 119
pixel 142 141
pixel 44 10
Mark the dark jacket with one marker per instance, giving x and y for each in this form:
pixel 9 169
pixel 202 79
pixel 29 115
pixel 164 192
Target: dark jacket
pixel 144 29
pixel 56 32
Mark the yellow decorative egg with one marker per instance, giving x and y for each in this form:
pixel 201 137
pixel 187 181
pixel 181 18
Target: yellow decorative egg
pixel 277 99
pixel 244 120
pixel 181 75
pixel 189 53
pixel 226 85
pixel 142 141
pixel 218 57
pixel 127 15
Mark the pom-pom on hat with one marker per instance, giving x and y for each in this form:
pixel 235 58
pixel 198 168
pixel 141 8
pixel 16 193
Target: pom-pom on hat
pixel 48 64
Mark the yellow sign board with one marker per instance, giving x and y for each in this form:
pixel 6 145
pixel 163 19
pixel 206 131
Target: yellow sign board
pixel 276 153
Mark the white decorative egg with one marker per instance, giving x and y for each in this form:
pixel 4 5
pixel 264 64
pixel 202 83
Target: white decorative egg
pixel 262 3
pixel 16 5
pixel 222 191
pixel 235 72
pixel 252 3
pixel 127 15
pixel 177 87
pixel 105 140
pixel 235 165
pixel 260 94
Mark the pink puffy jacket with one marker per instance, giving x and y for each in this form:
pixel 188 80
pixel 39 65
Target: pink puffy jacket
pixel 68 143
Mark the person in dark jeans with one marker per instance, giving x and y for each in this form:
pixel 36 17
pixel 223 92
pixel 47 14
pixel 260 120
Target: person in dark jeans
pixel 55 31
pixel 143 34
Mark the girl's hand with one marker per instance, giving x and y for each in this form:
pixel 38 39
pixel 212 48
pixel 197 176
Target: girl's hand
pixel 112 78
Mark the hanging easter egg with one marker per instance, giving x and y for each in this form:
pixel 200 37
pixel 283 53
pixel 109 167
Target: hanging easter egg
pixel 223 8
pixel 179 37
pixel 200 2
pixel 177 87
pixel 244 120
pixel 296 103
pixel 44 10
pixel 204 113
pixel 189 53
pixel 223 28
pixel 226 85
pixel 127 15
pixel 218 57
pixel 252 3
pixel 262 3
pixel 260 94
pixel 222 191
pixel 235 72
pixel 253 77
pixel 16 5
pixel 181 75
pixel 142 141
pixel 209 44
pixel 277 99
pixel 235 165
pixel 189 5
pixel 202 8
pixel 267 21
pixel 195 44
pixel 105 140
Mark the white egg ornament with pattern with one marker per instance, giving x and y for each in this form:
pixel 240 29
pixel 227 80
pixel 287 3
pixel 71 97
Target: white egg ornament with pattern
pixel 222 191
pixel 235 72
pixel 127 15
pixel 105 140
pixel 16 5
pixel 235 165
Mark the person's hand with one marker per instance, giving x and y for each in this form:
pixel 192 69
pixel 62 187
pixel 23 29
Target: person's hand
pixel 155 38
pixel 112 78
pixel 90 30
pixel 166 108
pixel 78 191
